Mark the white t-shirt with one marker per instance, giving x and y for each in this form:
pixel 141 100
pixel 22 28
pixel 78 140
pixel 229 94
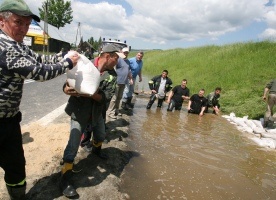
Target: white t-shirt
pixel 161 90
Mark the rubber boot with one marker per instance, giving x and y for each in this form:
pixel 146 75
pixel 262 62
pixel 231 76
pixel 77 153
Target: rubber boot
pixel 151 101
pixel 159 103
pixel 129 105
pixel 170 107
pixel 133 100
pixel 124 106
pixel 96 149
pixel 149 105
pixel 270 124
pixel 65 185
pixel 17 192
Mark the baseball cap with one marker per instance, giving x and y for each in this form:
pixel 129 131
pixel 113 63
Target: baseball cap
pixel 18 7
pixel 125 49
pixel 110 48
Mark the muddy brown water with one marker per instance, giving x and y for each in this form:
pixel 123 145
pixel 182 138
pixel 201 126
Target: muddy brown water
pixel 184 156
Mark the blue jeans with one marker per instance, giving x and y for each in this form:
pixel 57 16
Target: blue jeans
pixel 76 131
pixel 128 91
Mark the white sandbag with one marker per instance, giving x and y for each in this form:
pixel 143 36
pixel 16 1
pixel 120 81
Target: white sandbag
pixel 246 129
pixel 234 119
pixel 271 131
pixel 245 117
pixel 265 142
pixel 250 124
pixel 269 135
pixel 84 77
pixel 258 130
pixel 257 123
pixel 240 122
pixel 226 116
pixel 271 143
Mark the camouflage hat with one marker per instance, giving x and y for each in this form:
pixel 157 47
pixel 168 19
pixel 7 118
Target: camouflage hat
pixel 18 7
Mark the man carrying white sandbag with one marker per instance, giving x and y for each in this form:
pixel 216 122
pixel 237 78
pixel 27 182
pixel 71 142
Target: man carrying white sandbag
pixel 270 88
pixel 85 109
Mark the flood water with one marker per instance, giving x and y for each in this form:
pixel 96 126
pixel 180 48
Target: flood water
pixel 184 156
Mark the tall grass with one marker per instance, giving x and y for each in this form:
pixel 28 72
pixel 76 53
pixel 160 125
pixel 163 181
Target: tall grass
pixel 242 70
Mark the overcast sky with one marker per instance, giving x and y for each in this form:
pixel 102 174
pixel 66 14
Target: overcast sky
pixel 167 24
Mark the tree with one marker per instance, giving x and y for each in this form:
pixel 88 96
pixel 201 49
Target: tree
pixel 91 41
pixel 59 12
pixel 96 44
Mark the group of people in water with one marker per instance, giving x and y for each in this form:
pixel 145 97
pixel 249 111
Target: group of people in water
pixel 19 62
pixel 161 86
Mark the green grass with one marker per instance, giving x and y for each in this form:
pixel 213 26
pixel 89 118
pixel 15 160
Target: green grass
pixel 242 70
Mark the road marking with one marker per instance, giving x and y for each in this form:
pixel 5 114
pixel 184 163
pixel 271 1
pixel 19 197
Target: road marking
pixel 52 115
pixel 28 81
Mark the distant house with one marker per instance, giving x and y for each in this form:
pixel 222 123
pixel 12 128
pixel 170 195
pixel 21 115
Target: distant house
pixel 84 45
pixel 36 38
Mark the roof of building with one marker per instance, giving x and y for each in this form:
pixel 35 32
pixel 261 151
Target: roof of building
pixel 53 32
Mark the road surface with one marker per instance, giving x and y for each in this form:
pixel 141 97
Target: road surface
pixel 41 98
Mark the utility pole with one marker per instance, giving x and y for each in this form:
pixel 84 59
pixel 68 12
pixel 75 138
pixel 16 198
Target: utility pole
pixel 47 39
pixel 45 31
pixel 78 32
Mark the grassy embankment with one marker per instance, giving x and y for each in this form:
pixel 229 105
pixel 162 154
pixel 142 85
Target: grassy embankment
pixel 242 70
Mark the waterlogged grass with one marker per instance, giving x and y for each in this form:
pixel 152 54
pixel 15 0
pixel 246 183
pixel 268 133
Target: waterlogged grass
pixel 242 70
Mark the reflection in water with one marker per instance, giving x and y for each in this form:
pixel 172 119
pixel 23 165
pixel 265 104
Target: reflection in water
pixel 184 156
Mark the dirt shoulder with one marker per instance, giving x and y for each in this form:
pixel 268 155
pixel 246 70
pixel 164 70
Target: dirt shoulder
pixel 98 179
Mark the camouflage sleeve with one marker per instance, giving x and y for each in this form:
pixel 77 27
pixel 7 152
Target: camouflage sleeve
pixel 108 86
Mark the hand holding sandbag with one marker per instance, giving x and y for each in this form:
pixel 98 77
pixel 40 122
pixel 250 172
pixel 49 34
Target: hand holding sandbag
pixel 69 90
pixel 74 57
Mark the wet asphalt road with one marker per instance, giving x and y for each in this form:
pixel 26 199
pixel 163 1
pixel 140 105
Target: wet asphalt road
pixel 41 98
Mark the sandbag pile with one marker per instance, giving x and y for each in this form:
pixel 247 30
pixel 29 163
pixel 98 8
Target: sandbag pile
pixel 265 137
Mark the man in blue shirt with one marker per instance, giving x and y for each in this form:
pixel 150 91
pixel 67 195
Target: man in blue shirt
pixel 136 65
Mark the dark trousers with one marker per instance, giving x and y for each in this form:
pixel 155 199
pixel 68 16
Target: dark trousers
pixel 152 99
pixel 211 106
pixel 174 105
pixel 12 158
